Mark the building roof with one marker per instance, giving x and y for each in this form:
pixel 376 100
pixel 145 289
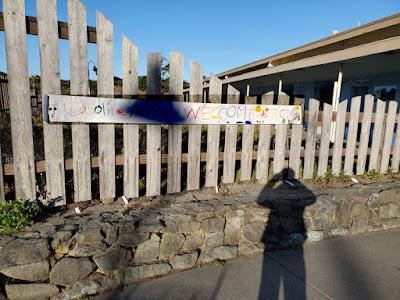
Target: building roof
pixel 378 30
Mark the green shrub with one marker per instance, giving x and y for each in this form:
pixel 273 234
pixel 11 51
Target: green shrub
pixel 15 215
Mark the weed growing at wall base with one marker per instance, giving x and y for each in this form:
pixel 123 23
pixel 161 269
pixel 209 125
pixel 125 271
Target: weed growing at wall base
pixel 15 215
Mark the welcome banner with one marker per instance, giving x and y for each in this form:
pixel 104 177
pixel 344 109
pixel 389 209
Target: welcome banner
pixel 71 109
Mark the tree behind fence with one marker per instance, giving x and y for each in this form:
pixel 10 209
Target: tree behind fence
pixel 366 137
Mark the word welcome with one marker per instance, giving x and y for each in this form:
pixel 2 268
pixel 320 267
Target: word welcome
pixel 110 110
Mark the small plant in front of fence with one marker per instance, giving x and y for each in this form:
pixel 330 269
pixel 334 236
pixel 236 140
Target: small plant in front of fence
pixel 343 177
pixel 15 215
pixel 372 175
pixel 329 179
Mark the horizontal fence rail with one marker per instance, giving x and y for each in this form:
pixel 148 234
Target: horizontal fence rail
pixel 79 162
pixel 32 28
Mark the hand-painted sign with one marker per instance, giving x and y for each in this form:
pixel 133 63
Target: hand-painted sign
pixel 111 110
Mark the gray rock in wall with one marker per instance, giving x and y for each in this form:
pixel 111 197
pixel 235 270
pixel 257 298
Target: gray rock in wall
pixel 184 261
pixel 232 228
pixel 253 232
pixel 135 274
pixel 193 242
pixel 170 244
pixel 213 225
pixel 111 259
pixel 246 248
pixel 389 211
pixel 79 250
pixel 60 238
pixel 69 270
pixel 359 226
pixel 148 251
pixel 212 240
pixel 223 252
pixel 132 239
pixel 89 237
pixel 111 234
pixel 38 271
pixel 204 215
pixel 188 227
pixel 22 252
pixel 34 291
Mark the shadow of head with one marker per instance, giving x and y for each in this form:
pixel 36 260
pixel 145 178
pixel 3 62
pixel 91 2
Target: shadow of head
pixel 155 111
pixel 286 200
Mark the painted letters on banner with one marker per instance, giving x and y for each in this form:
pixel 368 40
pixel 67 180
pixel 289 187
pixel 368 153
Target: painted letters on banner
pixel 72 109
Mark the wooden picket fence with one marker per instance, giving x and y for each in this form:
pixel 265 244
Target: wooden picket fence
pixel 366 138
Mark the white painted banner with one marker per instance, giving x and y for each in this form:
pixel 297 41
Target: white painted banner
pixel 59 108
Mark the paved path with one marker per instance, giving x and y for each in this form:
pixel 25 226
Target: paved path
pixel 356 267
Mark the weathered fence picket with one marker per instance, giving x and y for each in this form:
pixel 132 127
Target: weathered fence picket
pixel 377 136
pixel 396 148
pixel 352 136
pixel 388 137
pixel 2 191
pixel 105 88
pixel 280 141
pixel 130 87
pixel 339 137
pixel 364 135
pixel 295 146
pixel 213 136
pixel 323 156
pixel 79 85
pixel 228 174
pixel 153 132
pixel 246 160
pixel 19 94
pixel 194 140
pixel 264 145
pixel 311 139
pixel 50 84
pixel 175 131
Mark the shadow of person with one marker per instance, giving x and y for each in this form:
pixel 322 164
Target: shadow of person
pixel 285 229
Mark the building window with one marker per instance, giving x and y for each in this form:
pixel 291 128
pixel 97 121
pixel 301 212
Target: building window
pixel 385 92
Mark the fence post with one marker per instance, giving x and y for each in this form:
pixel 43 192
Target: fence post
pixel 50 84
pixel 325 140
pixel 295 144
pixel 396 148
pixel 2 192
pixel 130 87
pixel 230 141
pixel 377 135
pixel 79 85
pixel 213 136
pixel 246 160
pixel 311 138
pixel 19 95
pixel 174 172
pixel 365 134
pixel 264 145
pixel 280 141
pixel 352 136
pixel 153 134
pixel 105 87
pixel 387 143
pixel 339 135
pixel 194 140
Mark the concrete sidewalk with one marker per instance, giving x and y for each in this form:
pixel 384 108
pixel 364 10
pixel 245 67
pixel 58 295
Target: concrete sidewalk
pixel 354 267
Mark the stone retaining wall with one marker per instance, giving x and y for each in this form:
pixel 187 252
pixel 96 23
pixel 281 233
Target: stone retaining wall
pixel 105 246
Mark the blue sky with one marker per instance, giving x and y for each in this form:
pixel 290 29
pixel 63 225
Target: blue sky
pixel 219 34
